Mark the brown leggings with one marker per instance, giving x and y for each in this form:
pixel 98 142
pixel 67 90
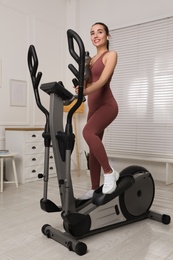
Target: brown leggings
pixel 93 134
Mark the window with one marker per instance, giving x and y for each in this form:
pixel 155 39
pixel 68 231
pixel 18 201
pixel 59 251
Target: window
pixel 143 87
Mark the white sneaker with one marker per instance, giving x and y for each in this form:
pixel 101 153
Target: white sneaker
pixel 110 182
pixel 88 195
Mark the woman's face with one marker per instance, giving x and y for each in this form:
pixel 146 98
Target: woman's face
pixel 98 35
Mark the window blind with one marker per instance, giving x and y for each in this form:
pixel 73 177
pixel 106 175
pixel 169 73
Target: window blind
pixel 142 84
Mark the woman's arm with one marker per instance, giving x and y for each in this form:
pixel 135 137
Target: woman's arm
pixel 110 61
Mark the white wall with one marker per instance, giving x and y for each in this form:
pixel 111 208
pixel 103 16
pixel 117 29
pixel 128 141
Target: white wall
pixel 23 22
pixel 120 13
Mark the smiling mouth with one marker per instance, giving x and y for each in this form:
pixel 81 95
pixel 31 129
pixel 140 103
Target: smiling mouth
pixel 96 41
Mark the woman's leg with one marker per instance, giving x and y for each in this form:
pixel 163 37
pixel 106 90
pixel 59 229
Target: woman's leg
pixel 94 128
pixel 95 169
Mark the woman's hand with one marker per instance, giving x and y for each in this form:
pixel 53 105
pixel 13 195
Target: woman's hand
pixel 77 90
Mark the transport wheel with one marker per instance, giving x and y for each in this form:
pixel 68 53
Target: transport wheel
pixel 80 248
pixel 166 219
pixel 137 200
pixel 44 231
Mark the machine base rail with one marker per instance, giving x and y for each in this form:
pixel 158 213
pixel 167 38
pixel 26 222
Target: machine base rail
pixel 80 248
pixel 65 239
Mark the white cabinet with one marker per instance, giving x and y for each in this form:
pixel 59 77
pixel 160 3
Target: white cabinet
pixel 29 144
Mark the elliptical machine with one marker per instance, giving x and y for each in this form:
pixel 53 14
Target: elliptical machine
pixel 134 195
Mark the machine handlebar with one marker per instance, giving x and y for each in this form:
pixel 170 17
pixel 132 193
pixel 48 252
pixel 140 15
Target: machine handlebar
pixel 35 77
pixel 72 37
pixel 79 74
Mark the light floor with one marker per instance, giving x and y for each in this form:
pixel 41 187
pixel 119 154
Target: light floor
pixel 21 220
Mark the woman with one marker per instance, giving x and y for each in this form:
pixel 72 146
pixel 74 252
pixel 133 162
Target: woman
pixel 103 109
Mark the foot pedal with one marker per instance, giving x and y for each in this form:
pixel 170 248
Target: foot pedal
pixel 123 184
pixel 49 206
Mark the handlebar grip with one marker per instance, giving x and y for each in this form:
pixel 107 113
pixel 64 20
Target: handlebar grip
pixel 32 60
pixel 79 74
pixel 72 35
pixel 35 77
pixel 75 82
pixel 74 70
pixel 33 66
pixel 79 58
